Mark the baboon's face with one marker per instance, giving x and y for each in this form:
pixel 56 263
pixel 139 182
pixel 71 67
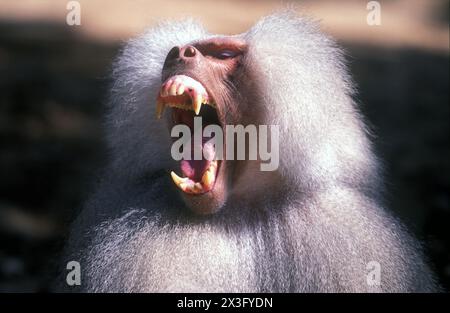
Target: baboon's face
pixel 200 79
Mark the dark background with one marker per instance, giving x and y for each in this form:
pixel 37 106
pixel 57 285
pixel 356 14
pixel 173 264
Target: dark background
pixel 53 80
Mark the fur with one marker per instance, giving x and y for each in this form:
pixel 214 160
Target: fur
pixel 317 234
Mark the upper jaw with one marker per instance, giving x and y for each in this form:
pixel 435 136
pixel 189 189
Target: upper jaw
pixel 183 92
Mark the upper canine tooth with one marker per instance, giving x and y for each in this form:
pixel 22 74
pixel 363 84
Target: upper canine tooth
pixel 197 103
pixel 159 108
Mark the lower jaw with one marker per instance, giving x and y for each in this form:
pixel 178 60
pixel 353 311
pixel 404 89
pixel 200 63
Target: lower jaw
pixel 195 187
pixel 209 202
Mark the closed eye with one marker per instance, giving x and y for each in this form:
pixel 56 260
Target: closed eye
pixel 225 54
pixel 221 50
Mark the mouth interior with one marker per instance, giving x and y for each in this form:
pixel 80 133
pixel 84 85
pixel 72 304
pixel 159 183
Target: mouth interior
pixel 183 96
pixel 195 169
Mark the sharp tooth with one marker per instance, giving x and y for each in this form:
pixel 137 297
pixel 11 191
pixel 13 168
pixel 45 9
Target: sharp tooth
pixel 173 90
pixel 208 179
pixel 197 104
pixel 180 90
pixel 159 108
pixel 177 179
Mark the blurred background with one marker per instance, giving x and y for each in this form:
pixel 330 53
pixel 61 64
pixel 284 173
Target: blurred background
pixel 54 77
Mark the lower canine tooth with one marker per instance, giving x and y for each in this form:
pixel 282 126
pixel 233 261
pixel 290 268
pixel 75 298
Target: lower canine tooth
pixel 177 179
pixel 208 179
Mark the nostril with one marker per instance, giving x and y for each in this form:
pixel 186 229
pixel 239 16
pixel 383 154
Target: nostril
pixel 173 53
pixel 189 52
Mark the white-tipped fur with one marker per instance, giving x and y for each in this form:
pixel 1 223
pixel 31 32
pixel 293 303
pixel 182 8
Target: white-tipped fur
pixel 138 141
pixel 134 235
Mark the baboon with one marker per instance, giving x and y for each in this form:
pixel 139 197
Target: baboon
pixel 315 224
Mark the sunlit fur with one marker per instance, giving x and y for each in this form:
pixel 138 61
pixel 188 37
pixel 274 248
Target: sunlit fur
pixel 312 226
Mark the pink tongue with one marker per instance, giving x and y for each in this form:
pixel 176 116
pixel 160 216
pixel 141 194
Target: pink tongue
pixel 194 169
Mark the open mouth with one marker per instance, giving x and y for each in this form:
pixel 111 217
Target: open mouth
pixel 187 99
